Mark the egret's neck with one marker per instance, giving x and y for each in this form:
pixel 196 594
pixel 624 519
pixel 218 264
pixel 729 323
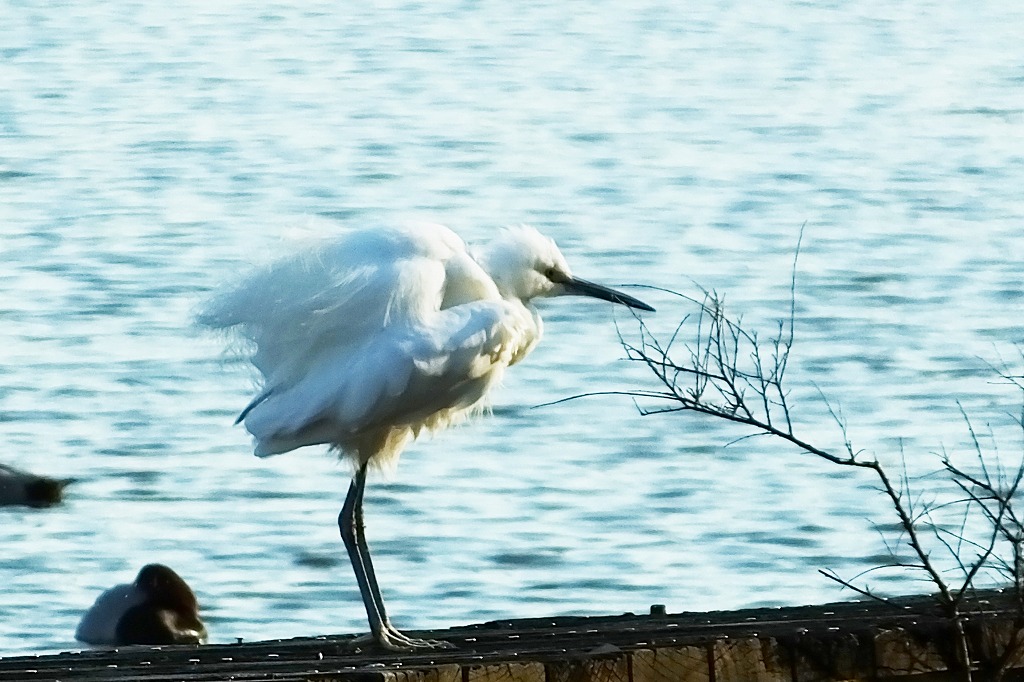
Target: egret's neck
pixel 528 324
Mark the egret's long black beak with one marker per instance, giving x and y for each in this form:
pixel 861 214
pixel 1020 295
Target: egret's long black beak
pixel 581 287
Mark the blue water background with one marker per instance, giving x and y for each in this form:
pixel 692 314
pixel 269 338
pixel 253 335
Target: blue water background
pixel 151 151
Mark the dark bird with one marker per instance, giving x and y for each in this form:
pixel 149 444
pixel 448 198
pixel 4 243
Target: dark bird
pixel 158 608
pixel 19 487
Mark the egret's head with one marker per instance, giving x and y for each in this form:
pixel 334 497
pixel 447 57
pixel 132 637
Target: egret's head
pixel 525 264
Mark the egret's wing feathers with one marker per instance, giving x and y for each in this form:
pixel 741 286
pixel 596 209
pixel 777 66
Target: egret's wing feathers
pixel 369 338
pixel 334 297
pixel 253 403
pixel 410 376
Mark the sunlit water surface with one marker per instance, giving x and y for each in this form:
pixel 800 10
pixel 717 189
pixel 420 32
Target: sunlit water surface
pixel 151 151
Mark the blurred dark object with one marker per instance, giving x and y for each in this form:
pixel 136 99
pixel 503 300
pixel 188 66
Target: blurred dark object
pixel 22 488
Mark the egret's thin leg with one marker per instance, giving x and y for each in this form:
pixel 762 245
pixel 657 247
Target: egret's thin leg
pixel 350 521
pixel 350 533
pixel 362 549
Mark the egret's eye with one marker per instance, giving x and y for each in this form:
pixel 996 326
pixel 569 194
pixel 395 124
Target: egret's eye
pixel 552 274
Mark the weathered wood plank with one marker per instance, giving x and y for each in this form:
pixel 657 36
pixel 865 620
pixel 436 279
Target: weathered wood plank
pixel 900 653
pixel 999 643
pixel 681 664
pixel 831 658
pixel 750 659
pixel 441 673
pixel 614 669
pixel 904 639
pixel 506 672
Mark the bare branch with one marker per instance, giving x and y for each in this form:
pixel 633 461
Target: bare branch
pixel 730 373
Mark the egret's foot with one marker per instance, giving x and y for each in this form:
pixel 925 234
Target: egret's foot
pixel 393 639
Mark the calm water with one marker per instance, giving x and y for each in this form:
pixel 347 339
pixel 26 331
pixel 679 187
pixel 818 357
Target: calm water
pixel 150 152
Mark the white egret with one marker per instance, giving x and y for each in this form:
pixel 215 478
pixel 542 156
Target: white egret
pixel 374 337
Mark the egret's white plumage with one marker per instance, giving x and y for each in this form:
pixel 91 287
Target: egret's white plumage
pixel 370 338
